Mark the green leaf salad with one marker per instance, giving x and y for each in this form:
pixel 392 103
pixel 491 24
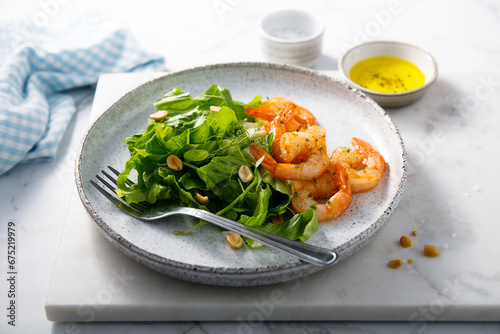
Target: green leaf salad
pixel 212 147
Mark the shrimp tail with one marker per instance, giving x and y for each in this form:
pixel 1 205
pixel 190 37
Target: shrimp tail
pixel 269 163
pixel 260 112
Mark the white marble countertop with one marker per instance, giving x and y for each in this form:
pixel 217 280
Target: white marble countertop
pixel 461 35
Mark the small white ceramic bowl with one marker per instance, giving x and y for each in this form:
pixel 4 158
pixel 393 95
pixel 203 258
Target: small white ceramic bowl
pixel 422 59
pixel 292 37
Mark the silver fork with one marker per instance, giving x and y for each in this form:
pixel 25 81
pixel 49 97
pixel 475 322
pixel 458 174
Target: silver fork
pixel 312 254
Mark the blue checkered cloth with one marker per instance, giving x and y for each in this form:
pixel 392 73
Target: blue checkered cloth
pixel 36 67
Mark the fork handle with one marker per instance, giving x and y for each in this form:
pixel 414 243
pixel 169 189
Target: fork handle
pixel 312 254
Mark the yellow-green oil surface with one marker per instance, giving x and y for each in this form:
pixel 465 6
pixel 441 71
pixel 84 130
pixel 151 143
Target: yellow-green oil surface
pixel 387 74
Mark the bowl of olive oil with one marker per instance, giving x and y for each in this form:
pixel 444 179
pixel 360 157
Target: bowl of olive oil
pixel 393 74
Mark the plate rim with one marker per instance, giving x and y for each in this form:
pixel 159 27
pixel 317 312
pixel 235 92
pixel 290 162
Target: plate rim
pixel 294 265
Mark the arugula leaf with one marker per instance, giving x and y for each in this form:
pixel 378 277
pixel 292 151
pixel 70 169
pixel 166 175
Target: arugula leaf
pixel 241 111
pixel 220 169
pixel 175 102
pixel 195 155
pixel 184 121
pixel 299 227
pixel 261 209
pixel 223 120
pixel 191 180
pixel 214 96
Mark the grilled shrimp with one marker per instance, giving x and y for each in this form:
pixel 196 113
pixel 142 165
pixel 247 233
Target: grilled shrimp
pixel 303 116
pixel 294 146
pixel 269 109
pixel 305 156
pixel 278 127
pixel 364 165
pixel 331 188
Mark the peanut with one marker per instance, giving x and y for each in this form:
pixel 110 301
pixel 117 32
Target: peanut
pixel 277 219
pixel 214 108
pixel 200 198
pixel 258 134
pixel 245 174
pixel 431 251
pixel 234 239
pixel 405 241
pixel 174 163
pixel 158 116
pixel 394 264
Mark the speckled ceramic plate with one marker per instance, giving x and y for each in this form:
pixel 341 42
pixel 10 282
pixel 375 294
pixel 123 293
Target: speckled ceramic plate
pixel 203 256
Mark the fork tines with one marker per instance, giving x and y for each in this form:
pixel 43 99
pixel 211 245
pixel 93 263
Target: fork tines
pixel 139 207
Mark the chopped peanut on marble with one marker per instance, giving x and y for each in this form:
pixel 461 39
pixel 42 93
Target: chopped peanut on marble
pixel 431 251
pixel 404 241
pixel 394 264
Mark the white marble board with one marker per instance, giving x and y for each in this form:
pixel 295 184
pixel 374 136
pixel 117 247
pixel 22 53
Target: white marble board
pixel 450 199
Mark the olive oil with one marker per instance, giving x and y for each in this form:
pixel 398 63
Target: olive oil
pixel 387 74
